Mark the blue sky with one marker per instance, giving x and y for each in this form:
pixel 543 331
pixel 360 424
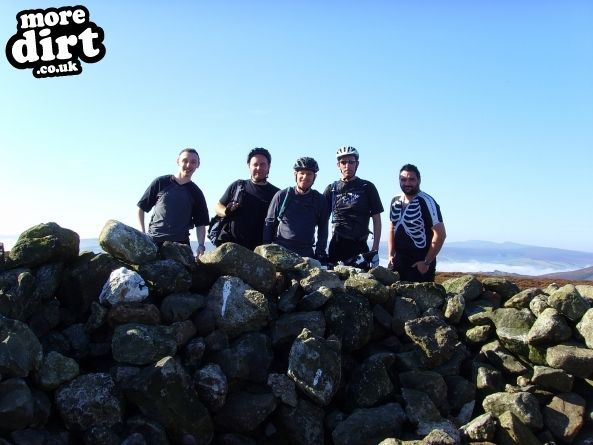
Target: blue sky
pixel 493 101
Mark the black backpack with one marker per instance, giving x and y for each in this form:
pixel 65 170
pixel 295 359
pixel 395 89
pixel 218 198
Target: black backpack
pixel 219 224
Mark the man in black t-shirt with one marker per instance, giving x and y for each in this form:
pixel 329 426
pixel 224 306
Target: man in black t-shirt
pixel 247 213
pixel 352 202
pixel 178 203
pixel 416 231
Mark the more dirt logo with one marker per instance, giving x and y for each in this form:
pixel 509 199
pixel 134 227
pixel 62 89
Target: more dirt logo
pixel 53 41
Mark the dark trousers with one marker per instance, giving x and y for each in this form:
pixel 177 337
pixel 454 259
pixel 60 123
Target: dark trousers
pixel 407 272
pixel 343 249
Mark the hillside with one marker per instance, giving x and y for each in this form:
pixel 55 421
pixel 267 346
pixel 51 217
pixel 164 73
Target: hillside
pixel 524 282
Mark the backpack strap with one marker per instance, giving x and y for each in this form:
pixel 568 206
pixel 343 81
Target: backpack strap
pixel 284 202
pixel 333 207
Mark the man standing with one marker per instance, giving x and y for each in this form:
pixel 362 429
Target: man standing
pixel 417 232
pixel 178 203
pixel 295 212
pixel 352 202
pixel 248 212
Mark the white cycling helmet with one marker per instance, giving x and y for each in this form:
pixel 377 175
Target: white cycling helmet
pixel 346 150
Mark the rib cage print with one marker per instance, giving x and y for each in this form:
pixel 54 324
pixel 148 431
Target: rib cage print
pixel 411 220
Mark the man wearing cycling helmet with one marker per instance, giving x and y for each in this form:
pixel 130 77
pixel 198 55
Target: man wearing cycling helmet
pixel 352 202
pixel 247 209
pixel 295 212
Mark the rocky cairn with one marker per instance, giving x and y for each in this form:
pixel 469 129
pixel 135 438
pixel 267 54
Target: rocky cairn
pixel 143 346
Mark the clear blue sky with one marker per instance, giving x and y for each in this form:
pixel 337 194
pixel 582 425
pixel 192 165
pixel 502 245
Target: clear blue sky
pixel 493 101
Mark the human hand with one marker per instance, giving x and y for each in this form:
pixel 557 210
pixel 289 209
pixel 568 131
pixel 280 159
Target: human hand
pixel 422 266
pixel 231 207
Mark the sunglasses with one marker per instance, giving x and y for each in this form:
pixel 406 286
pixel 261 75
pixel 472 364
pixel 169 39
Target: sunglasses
pixel 349 161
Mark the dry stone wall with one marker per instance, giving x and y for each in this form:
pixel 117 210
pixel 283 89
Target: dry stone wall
pixel 145 346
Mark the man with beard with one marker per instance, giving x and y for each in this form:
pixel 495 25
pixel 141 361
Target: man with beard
pixel 178 203
pixel 417 232
pixel 353 202
pixel 295 212
pixel 246 211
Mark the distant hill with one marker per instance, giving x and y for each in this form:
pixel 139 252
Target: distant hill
pixel 574 275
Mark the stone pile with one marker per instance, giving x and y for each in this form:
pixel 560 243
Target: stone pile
pixel 144 346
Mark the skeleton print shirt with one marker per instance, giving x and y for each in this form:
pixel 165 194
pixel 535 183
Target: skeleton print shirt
pixel 412 224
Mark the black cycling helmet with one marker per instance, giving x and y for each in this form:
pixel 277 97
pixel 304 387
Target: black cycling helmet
pixel 346 150
pixel 259 151
pixel 306 164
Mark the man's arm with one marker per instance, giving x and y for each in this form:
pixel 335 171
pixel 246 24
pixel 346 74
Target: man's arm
pixel 220 209
pixel 201 236
pixel 438 238
pixel 376 231
pixel 140 216
pixel 391 246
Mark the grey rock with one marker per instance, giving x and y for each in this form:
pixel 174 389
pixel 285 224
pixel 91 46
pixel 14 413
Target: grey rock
pixel 467 286
pixel 435 338
pixel 384 276
pixel 551 378
pixel 83 281
pixel 164 392
pixel 126 243
pixel 488 379
pixel 367 286
pixel 498 356
pixel 339 313
pixel 586 291
pixel 212 386
pixel 419 407
pixel 512 430
pixel 44 243
pixel 319 278
pixel 426 295
pixel 301 423
pixel 454 308
pixel 284 389
pixel 585 328
pixel 235 260
pixel 237 308
pixel 404 309
pixel 180 307
pixel 512 328
pixel 538 304
pixel 244 412
pixel 142 313
pixel 165 277
pixel 482 428
pixel 573 359
pixel 90 400
pixel 283 259
pixel 569 302
pixel 370 425
pixel 152 432
pixel 55 370
pixel 315 365
pixel 460 391
pixel 370 383
pixel 139 344
pixel 564 416
pixel 315 300
pixel 20 350
pixel 290 297
pixel 18 299
pixel 123 286
pixel 248 358
pixel 429 382
pixel 17 404
pixel 479 334
pixel 522 404
pixel 288 326
pixel 522 299
pixel 501 286
pixel 549 328
pixel 179 252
